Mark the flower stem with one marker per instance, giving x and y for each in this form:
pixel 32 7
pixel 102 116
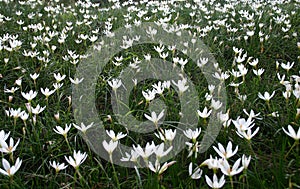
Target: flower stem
pixel 114 170
pixel 295 144
pixel 231 181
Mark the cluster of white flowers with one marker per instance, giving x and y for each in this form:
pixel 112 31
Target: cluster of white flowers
pixel 8 148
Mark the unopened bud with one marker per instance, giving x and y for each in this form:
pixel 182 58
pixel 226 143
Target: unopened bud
pixel 10 98
pixel 56 116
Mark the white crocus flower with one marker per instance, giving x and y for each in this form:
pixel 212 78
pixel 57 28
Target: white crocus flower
pixel 61 131
pixel 110 147
pixel 58 77
pixel 115 137
pixel 192 134
pixel 159 88
pixel 287 66
pixel 37 110
pixel 259 72
pixel 157 168
pixel 212 163
pixel 242 124
pixel 292 133
pixel 58 166
pixel 34 76
pixel 83 128
pixel 166 135
pixel 215 183
pixel 149 150
pixel 226 154
pixel 115 83
pixel 10 170
pixel 247 134
pixel 47 92
pixel 5 148
pixel 205 113
pixel 133 156
pixel 149 95
pixel 159 151
pixel 181 84
pixel 266 97
pixel 216 104
pixel 196 173
pixel 77 159
pixel 231 171
pixel 252 114
pixel 76 81
pixel 3 135
pixel 245 161
pixel 154 117
pixel 30 95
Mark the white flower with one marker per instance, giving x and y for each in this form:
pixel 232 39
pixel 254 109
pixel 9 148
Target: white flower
pixel 160 169
pixel 149 95
pixel 243 70
pixel 287 66
pixel 215 183
pixel 83 128
pixel 205 113
pixel 14 113
pixel 30 95
pixel 159 150
pixel 5 148
pixel 266 96
pixel 245 161
pixel 192 134
pixel 47 92
pixel 154 117
pixel 222 77
pixel 167 84
pixel 224 118
pixel 110 147
pixel 166 135
pixel 258 72
pixel 212 163
pixel 37 110
pixel 159 88
pixel 225 153
pixel 34 76
pixel 242 124
pixel 115 83
pixel 292 133
pixel 58 166
pixel 12 90
pixel 247 134
pixel 76 81
pixel 77 159
pixel 216 104
pixel 231 171
pixel 18 82
pixel 57 85
pixel 113 136
pixel 181 84
pixel 10 170
pixel 252 114
pixel 58 77
pixel 196 173
pixel 3 135
pixel 133 156
pixel 254 62
pixel 202 62
pixel 149 149
pixel 61 131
